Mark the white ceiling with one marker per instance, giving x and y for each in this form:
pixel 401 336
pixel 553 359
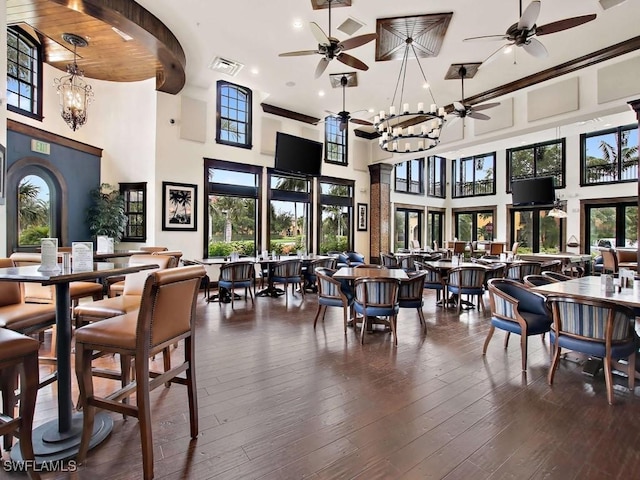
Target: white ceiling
pixel 254 32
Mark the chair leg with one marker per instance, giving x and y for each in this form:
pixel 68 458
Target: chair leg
pixel 85 383
pixel 8 385
pixel 506 339
pixel 393 323
pixel 423 321
pixel 321 308
pixel 251 295
pixel 608 378
pixel 144 416
pixel 364 326
pixel 231 291
pixel 28 393
pixel 483 307
pixel 631 371
pixel 459 305
pixel 345 312
pixel 189 348
pixel 523 349
pixel 554 363
pixel 488 339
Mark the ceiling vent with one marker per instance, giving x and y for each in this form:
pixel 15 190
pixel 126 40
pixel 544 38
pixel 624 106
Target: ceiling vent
pixel 350 26
pixel 336 79
pixel 224 65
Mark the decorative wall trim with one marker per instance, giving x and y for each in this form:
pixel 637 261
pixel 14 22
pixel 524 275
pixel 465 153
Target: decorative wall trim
pixel 52 137
pixel 283 112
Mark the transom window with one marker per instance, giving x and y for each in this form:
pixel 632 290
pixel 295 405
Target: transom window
pixel 234 114
pixel 609 156
pixel 538 160
pixel 474 176
pixel 335 141
pixel 24 74
pixel 409 176
pixel 135 208
pixel 436 176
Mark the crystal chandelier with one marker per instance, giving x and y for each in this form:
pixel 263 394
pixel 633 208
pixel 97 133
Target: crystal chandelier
pixel 75 95
pixel 403 129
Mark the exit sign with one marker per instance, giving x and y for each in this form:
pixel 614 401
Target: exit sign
pixel 40 147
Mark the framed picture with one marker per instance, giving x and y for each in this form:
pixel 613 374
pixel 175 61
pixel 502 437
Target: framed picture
pixel 362 216
pixel 3 173
pixel 179 206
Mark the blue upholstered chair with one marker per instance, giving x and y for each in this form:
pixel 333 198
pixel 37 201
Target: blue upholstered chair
pixel 377 297
pixel 494 270
pixel 342 260
pixel 237 275
pixel 388 260
pixel 597 328
pixel 518 270
pixel 310 272
pixel 467 281
pixel 433 279
pixel 538 280
pixel 288 272
pixel 410 295
pixel 559 277
pixel 516 309
pixel 332 293
pixel 355 258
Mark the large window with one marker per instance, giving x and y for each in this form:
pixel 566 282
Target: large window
pixel 233 119
pixel 409 177
pixel 611 224
pixel 233 200
pixel 536 231
pixel 135 208
pixel 408 227
pixel 539 160
pixel 24 74
pixel 609 156
pixel 474 176
pixel 435 228
pixel 289 213
pixel 436 176
pixel 335 210
pixel 335 141
pixel 474 225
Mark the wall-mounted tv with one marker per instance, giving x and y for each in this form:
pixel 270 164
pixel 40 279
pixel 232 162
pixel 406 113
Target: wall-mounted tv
pixel 298 155
pixel 533 191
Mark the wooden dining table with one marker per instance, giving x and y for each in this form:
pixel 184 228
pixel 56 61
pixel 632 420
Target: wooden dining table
pixel 351 273
pixel 59 439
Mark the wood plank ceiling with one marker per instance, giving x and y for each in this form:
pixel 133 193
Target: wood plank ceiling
pixel 152 51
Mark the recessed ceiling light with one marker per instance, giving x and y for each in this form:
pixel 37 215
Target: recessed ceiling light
pixel 426 86
pixel 321 93
pixel 370 110
pixel 255 71
pixel 507 50
pixel 290 84
pixel 298 24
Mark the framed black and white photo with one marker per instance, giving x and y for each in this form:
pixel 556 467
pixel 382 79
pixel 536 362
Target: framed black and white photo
pixel 179 206
pixel 362 217
pixel 3 174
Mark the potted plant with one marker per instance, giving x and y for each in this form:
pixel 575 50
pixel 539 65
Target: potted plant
pixel 106 214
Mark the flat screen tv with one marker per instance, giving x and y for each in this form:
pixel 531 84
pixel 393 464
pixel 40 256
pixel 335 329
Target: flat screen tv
pixel 298 155
pixel 533 191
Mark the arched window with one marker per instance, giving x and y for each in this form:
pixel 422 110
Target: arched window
pixel 233 119
pixel 24 73
pixel 34 210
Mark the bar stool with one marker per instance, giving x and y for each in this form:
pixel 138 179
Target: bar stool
pixel 17 350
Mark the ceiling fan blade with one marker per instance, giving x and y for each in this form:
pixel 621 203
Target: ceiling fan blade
pixel 478 116
pixel 565 24
pixel 322 66
pixel 485 106
pixel 459 107
pixel 530 15
pixel 352 61
pixel 320 36
pixel 490 38
pixel 357 41
pixel 298 53
pixel 494 55
pixel 536 48
pixel 359 121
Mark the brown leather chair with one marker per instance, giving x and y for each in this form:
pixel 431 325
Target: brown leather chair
pixel 609 261
pixel 18 355
pixel 163 261
pixel 152 249
pixel 496 248
pixel 167 315
pixel 175 254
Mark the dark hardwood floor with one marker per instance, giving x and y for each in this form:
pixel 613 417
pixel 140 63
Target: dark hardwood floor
pixel 280 400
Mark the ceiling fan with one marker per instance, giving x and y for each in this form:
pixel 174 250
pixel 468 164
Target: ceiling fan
pixel 461 110
pixel 523 33
pixel 330 47
pixel 345 117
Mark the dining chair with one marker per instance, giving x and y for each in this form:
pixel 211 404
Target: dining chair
pixel 152 249
pixel 388 260
pixel 494 270
pixel 19 358
pixel 237 275
pixel 331 293
pixel 514 248
pixel 496 248
pixel 408 263
pixel 163 261
pixel 518 270
pixel 311 281
pixel 516 309
pixel 537 280
pixel 355 258
pixel 433 279
pixel 609 260
pixel 598 328
pixel 410 295
pixel 175 255
pixel 469 281
pixel 167 315
pixel 288 272
pixel 560 277
pixel 551 266
pixel 376 297
pixel 459 247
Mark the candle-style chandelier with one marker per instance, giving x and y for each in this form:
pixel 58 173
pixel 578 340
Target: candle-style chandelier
pixel 403 129
pixel 75 95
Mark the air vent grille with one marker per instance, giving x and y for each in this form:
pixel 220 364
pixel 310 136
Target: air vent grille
pixel 227 66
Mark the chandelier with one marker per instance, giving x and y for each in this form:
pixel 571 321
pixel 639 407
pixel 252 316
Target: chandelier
pixel 75 95
pixel 403 129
